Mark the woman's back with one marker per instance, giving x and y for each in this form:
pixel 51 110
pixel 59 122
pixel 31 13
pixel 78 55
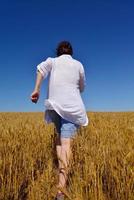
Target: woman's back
pixel 66 70
pixel 64 97
pixel 64 77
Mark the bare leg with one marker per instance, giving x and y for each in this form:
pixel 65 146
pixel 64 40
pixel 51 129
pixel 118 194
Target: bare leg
pixel 58 148
pixel 63 152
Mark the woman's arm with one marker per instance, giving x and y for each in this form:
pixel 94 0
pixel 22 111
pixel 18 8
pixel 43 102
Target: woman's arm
pixel 36 93
pixel 42 71
pixel 82 79
pixel 81 84
pixel 39 79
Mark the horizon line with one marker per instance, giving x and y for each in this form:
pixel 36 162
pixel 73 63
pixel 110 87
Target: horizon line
pixel 44 111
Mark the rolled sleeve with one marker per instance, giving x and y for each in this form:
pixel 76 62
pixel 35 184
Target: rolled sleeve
pixel 45 67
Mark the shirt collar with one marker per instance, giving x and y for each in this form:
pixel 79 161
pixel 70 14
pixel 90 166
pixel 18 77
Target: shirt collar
pixel 66 55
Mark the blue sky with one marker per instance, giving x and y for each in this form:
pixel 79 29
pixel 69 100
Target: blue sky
pixel 101 33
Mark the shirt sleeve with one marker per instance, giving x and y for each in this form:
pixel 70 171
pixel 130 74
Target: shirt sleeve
pixel 45 67
pixel 82 80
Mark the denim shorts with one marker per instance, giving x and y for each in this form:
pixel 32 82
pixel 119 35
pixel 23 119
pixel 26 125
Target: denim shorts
pixel 64 128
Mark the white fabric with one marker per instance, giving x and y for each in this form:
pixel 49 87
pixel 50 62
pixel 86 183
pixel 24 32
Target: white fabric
pixel 66 81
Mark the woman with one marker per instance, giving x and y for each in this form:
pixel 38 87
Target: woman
pixel 64 105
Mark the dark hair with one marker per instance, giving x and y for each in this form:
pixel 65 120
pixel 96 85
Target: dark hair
pixel 64 47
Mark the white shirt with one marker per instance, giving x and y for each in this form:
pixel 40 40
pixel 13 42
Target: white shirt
pixel 66 81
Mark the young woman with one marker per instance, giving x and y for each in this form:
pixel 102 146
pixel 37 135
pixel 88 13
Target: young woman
pixel 64 105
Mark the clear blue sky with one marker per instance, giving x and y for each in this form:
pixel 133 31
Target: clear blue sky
pixel 101 32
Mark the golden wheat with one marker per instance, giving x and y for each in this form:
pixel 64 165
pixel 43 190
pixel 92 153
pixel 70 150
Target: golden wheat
pixel 102 167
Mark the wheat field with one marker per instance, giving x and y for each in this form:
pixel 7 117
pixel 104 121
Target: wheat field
pixel 102 167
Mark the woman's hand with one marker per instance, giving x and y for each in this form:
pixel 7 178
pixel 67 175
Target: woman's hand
pixel 35 96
